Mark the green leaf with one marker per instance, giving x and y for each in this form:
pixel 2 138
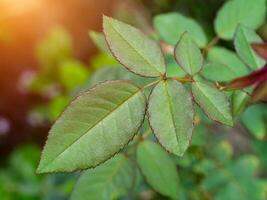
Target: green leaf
pixel 171 26
pixel 173 69
pixel 243 39
pixel 108 181
pixel 94 127
pixel 171 115
pixel 133 49
pixel 188 55
pixel 72 74
pixel 247 12
pixel 117 73
pixel 240 100
pixel 214 103
pixel 223 65
pixel 99 40
pixel 254 119
pixel 158 168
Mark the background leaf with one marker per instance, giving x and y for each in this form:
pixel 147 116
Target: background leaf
pixel 158 168
pixel 255 120
pixel 99 40
pixel 243 39
pixel 223 65
pixel 234 12
pixel 90 130
pixel 188 55
pixel 171 26
pixel 171 115
pixel 133 49
pixel 108 181
pixel 214 103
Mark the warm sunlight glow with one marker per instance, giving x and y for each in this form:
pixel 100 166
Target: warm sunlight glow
pixel 16 7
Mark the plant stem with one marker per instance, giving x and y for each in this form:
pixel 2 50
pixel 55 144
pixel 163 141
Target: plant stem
pixel 214 41
pixel 185 79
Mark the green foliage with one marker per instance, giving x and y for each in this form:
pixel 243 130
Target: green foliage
pixel 240 100
pixel 109 181
pixel 82 128
pixel 214 103
pixel 158 168
pixel 223 65
pixel 188 55
pixel 163 101
pixel 255 120
pixel 168 103
pixel 72 74
pixel 19 181
pixel 171 26
pixel 243 38
pixel 234 12
pixel 99 40
pixel 55 48
pixel 133 49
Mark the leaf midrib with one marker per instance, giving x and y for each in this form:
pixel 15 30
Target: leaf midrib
pixel 171 111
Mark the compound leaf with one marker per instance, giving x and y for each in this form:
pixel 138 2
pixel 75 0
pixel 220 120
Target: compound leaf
pixel 94 127
pixel 214 102
pixel 133 49
pixel 158 168
pixel 171 115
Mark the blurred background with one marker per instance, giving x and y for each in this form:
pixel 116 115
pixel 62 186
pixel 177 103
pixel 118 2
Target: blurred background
pixel 47 56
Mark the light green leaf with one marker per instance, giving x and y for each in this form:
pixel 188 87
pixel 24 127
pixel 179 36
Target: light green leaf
pixel 243 39
pixel 72 74
pixel 99 40
pixel 188 55
pixel 158 168
pixel 173 69
pixel 133 49
pixel 94 127
pixel 171 26
pixel 248 12
pixel 171 115
pixel 108 181
pixel 254 119
pixel 240 100
pixel 214 103
pixel 223 65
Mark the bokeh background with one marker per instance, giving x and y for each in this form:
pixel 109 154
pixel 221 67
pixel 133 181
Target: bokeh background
pixel 46 56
